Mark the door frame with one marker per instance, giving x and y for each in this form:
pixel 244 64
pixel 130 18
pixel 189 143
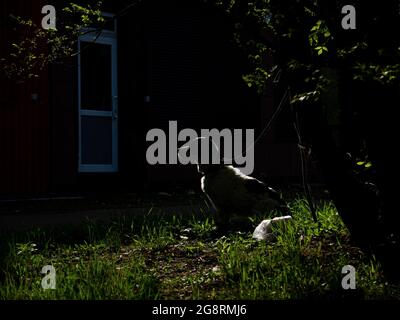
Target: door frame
pixel 108 38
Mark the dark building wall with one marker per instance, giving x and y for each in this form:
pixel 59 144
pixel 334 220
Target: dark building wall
pixel 63 125
pixel 178 53
pixel 195 77
pixel 24 122
pixel 186 63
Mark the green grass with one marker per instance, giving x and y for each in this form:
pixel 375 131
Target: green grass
pixel 159 256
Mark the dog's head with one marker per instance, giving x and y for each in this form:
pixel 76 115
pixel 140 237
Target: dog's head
pixel 209 168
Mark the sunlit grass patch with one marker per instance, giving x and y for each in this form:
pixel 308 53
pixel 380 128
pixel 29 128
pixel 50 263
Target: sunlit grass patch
pixel 159 256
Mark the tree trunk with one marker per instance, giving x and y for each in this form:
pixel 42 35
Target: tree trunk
pixel 373 221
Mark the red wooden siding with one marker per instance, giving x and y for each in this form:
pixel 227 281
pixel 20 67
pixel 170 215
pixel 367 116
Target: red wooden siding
pixel 24 123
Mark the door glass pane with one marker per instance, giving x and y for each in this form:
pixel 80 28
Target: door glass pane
pixel 96 76
pixel 96 140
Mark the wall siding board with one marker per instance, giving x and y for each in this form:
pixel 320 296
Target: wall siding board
pixel 24 123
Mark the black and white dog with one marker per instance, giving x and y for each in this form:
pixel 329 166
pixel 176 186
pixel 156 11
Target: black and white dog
pixel 233 193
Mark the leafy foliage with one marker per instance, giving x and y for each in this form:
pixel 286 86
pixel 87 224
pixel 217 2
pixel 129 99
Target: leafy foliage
pixel 38 47
pixel 307 40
